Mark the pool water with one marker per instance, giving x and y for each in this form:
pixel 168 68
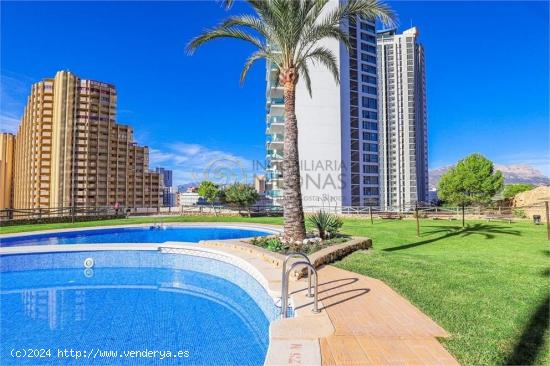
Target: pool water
pixel 170 304
pixel 142 234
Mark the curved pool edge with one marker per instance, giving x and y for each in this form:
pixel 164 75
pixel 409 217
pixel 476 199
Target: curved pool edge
pixel 273 229
pixel 288 338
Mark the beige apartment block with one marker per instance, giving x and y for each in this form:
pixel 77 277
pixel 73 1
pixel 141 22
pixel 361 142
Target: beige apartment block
pixel 7 146
pixel 70 150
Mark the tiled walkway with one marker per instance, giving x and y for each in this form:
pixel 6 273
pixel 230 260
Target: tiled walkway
pixel 374 325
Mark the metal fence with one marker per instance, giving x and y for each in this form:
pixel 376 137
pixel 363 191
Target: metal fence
pixel 88 213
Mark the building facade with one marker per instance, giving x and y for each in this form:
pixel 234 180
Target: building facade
pixel 70 151
pixel 169 193
pixel 7 150
pixel 402 120
pixel 338 130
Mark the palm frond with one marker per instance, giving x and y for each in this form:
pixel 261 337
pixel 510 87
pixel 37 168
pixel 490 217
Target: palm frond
pixel 325 57
pixel 227 4
pixel 256 56
pixel 304 72
pixel 249 21
pixel 368 9
pixel 221 32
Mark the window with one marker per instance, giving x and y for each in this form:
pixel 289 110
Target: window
pixel 370 168
pixel 370 191
pixel 368 37
pixel 368 68
pixel 368 89
pixel 370 136
pixel 370 158
pixel 370 180
pixel 368 79
pixel 368 58
pixel 369 102
pixel 368 48
pixel 367 27
pixel 369 125
pixel 370 147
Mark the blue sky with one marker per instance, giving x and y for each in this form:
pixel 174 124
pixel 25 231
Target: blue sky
pixel 487 76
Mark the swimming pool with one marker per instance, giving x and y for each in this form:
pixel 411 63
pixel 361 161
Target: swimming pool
pixel 141 234
pixel 202 310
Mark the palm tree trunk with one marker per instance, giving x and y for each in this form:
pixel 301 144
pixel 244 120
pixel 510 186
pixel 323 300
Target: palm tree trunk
pixel 294 226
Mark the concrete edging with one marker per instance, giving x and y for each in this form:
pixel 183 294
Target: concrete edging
pixel 322 257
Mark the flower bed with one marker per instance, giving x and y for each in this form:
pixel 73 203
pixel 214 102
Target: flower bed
pixel 309 246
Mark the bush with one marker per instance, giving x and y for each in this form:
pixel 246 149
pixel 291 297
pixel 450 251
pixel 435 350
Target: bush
pixel 518 213
pixel 272 243
pixel 325 223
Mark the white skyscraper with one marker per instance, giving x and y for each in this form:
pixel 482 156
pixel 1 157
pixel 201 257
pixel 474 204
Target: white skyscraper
pixel 338 129
pixel 403 122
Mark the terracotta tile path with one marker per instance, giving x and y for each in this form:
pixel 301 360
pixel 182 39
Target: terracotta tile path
pixel 374 325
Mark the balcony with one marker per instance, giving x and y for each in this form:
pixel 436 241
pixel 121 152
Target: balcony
pixel 275 125
pixel 274 193
pixel 277 102
pixel 273 156
pixel 275 141
pixel 274 175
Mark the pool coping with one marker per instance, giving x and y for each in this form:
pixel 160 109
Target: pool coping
pixel 288 338
pixel 273 229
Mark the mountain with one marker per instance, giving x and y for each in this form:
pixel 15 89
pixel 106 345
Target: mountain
pixel 520 173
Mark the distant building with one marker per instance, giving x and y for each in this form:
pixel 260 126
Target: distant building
pixel 188 198
pixel 166 175
pixel 338 140
pixel 70 151
pixel 259 184
pixel 169 197
pixel 169 193
pixel 432 196
pixel 7 150
pixel 402 119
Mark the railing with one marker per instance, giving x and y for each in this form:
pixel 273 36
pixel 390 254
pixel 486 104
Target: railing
pixel 285 278
pixel 284 289
pixel 82 213
pixel 276 119
pixel 277 101
pixel 58 213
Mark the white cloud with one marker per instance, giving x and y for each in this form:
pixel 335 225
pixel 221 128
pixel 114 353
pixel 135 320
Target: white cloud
pixel 14 89
pixel 194 163
pixel 8 123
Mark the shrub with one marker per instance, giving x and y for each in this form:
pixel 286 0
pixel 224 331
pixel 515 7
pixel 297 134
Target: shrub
pixel 325 223
pixel 272 243
pixel 518 213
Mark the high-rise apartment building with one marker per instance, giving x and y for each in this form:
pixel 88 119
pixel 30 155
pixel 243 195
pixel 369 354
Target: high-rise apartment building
pixel 7 149
pixel 402 119
pixel 70 151
pixel 169 193
pixel 166 176
pixel 338 127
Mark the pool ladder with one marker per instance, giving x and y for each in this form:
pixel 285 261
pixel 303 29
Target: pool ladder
pixel 285 278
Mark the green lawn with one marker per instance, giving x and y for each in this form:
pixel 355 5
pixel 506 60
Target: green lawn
pixel 487 284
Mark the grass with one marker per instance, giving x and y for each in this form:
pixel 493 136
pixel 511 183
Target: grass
pixel 487 284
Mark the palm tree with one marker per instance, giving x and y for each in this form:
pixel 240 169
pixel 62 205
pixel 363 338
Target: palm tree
pixel 287 33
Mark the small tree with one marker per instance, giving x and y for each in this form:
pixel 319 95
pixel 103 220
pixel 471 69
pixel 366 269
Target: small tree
pixel 240 194
pixel 472 181
pixel 209 191
pixel 510 190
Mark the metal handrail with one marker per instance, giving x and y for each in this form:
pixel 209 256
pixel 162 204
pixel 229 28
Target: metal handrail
pixel 298 255
pixel 284 293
